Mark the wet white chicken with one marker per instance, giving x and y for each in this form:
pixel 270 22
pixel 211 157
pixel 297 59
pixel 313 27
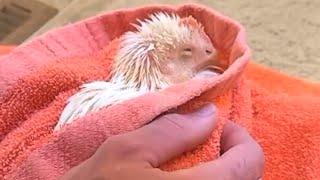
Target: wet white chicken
pixel 165 50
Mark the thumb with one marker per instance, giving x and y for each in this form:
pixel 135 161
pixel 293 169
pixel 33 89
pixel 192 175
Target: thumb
pixel 163 139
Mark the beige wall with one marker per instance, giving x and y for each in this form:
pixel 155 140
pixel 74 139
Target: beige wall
pixel 283 34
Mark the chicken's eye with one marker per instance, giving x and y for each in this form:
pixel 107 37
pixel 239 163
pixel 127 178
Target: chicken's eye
pixel 187 52
pixel 208 52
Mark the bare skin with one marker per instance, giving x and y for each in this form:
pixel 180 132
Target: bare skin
pixel 135 155
pixel 189 59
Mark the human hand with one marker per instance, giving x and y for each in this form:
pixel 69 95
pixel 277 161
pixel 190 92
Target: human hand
pixel 137 154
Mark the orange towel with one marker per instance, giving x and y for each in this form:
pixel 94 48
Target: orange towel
pixel 4 49
pixel 36 79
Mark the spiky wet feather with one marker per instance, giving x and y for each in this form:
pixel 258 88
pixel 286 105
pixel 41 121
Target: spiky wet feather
pixel 145 50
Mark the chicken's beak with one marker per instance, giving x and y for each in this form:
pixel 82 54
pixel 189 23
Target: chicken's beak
pixel 211 63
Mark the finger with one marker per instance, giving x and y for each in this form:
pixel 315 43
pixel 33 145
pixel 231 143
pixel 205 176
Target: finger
pixel 242 159
pixel 233 135
pixel 166 137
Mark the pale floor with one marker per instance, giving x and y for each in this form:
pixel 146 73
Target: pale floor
pixel 284 34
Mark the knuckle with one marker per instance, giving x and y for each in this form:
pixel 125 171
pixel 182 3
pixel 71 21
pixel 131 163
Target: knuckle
pixel 175 121
pixel 177 127
pixel 249 167
pixel 114 141
pixel 240 170
pixel 122 147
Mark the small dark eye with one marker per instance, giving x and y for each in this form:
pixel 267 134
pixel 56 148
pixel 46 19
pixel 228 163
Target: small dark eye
pixel 187 49
pixel 187 52
pixel 208 52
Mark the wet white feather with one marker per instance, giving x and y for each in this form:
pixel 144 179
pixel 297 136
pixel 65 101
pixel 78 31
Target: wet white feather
pixel 94 96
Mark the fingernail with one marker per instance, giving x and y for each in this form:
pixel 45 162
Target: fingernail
pixel 206 110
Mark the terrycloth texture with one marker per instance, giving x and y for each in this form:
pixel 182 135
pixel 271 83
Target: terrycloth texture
pixel 36 78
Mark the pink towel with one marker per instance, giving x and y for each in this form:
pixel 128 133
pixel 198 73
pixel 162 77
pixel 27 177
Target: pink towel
pixel 37 77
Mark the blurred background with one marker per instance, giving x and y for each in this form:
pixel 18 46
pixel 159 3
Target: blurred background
pixel 283 34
